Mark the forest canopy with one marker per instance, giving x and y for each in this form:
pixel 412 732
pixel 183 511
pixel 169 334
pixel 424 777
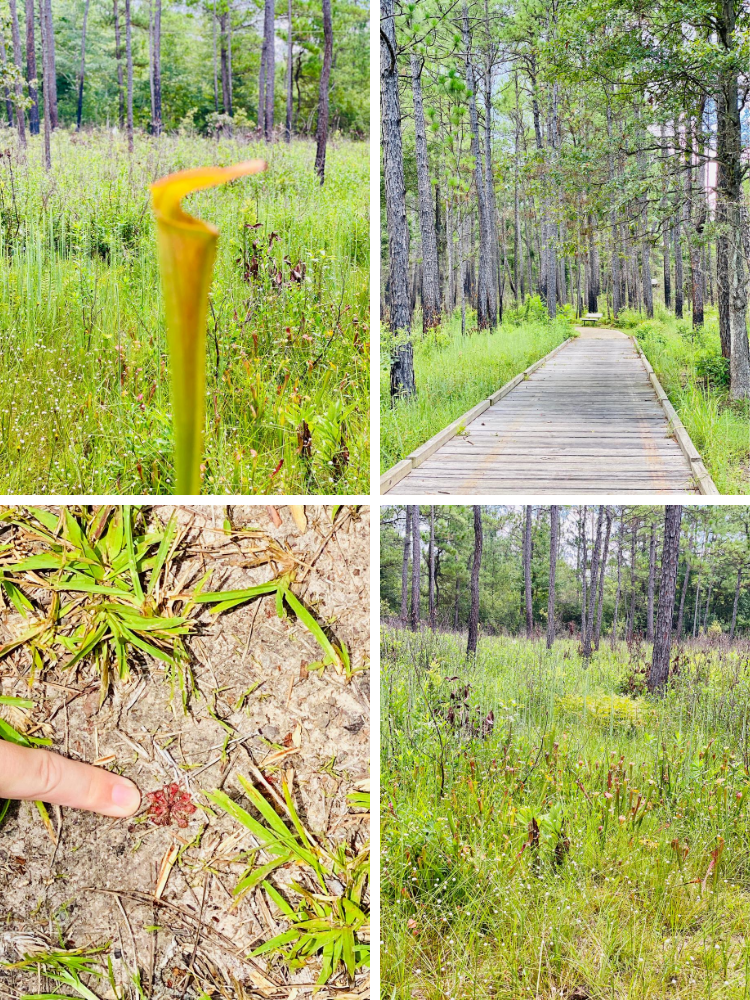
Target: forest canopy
pixel 713 592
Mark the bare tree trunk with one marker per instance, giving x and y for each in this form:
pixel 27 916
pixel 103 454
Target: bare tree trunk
pixel 602 573
pixel 289 93
pixel 620 539
pixel 736 602
pixel 659 673
pixel 527 574
pixel 325 76
pixel 118 58
pixel 593 589
pixel 18 61
pixel 431 558
pixel 31 69
pixel 554 522
pixel 269 44
pixel 82 71
pixel 415 562
pixel 430 270
pixel 402 357
pixel 405 566
pixel 45 89
pixel 157 123
pixel 486 287
pixel 4 61
pixel 651 579
pixel 215 59
pixel 685 579
pixel 633 555
pixel 471 647
pixel 50 64
pixel 226 99
pixel 129 70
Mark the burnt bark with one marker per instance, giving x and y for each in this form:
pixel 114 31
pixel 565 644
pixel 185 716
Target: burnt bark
pixel 659 673
pixel 471 646
pixel 325 77
pixel 430 267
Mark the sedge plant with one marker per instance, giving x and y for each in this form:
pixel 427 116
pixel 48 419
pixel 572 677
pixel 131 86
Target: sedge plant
pixel 187 251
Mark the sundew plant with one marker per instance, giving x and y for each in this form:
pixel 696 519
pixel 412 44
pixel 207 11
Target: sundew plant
pixel 84 365
pixel 549 830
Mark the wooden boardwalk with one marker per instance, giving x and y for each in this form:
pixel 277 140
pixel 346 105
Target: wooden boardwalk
pixel 587 420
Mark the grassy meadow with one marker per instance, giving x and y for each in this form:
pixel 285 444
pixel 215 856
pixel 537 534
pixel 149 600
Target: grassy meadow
pixel 455 372
pixel 695 376
pixel 584 841
pixel 84 369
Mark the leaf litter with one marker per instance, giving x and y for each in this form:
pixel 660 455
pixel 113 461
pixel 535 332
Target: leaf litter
pixel 258 710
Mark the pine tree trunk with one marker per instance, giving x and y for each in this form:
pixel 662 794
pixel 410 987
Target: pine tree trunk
pixel 18 62
pixel 584 576
pixel 430 272
pixel 269 36
pixel 118 59
pixel 129 70
pixel 736 604
pixel 325 76
pixel 214 22
pixel 554 528
pixel 620 538
pixel 486 287
pixel 471 646
pixel 415 563
pixel 31 69
pixel 50 63
pixel 4 62
pixel 527 574
pixel 45 89
pixel 226 100
pixel 651 581
pixel 678 275
pixel 289 93
pixel 602 574
pixel 659 673
pixel 614 248
pixel 402 357
pixel 431 570
pixel 681 615
pixel 633 551
pixel 157 122
pixel 593 588
pixel 82 71
pixel 405 566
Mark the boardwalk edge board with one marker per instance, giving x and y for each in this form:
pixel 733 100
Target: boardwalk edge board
pixel 412 461
pixel 704 481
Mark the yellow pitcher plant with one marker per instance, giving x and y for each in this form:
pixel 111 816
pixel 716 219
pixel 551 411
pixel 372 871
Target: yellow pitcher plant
pixel 187 251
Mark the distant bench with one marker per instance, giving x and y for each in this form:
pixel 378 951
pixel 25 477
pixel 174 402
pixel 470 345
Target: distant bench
pixel 591 318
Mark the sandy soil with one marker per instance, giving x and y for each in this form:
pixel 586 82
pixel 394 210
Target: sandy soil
pixel 96 885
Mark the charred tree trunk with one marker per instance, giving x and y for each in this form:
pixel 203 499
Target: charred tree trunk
pixel 402 357
pixel 415 563
pixel 430 269
pixel 554 523
pixel 18 62
pixel 31 69
pixel 471 647
pixel 82 70
pixel 659 673
pixel 325 77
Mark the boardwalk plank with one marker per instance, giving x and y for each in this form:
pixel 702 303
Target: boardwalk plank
pixel 587 420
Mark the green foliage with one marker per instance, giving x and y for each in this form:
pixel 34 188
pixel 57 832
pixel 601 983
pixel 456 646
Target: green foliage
pixel 104 574
pixel 612 843
pixel 695 376
pixel 65 967
pixel 454 373
pixel 330 914
pixel 84 387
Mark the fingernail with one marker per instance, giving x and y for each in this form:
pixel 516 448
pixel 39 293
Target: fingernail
pixel 126 796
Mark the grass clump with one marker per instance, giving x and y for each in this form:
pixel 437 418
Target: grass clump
pixel 695 376
pixel 454 373
pixel 84 367
pixel 561 852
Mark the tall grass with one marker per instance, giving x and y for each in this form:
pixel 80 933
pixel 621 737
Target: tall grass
pixel 84 388
pixel 593 843
pixel 695 376
pixel 454 373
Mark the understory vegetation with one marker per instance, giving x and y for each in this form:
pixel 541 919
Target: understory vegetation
pixel 551 830
pixel 695 376
pixel 84 379
pixel 455 372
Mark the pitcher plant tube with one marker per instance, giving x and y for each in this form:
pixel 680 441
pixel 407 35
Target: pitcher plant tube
pixel 187 250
